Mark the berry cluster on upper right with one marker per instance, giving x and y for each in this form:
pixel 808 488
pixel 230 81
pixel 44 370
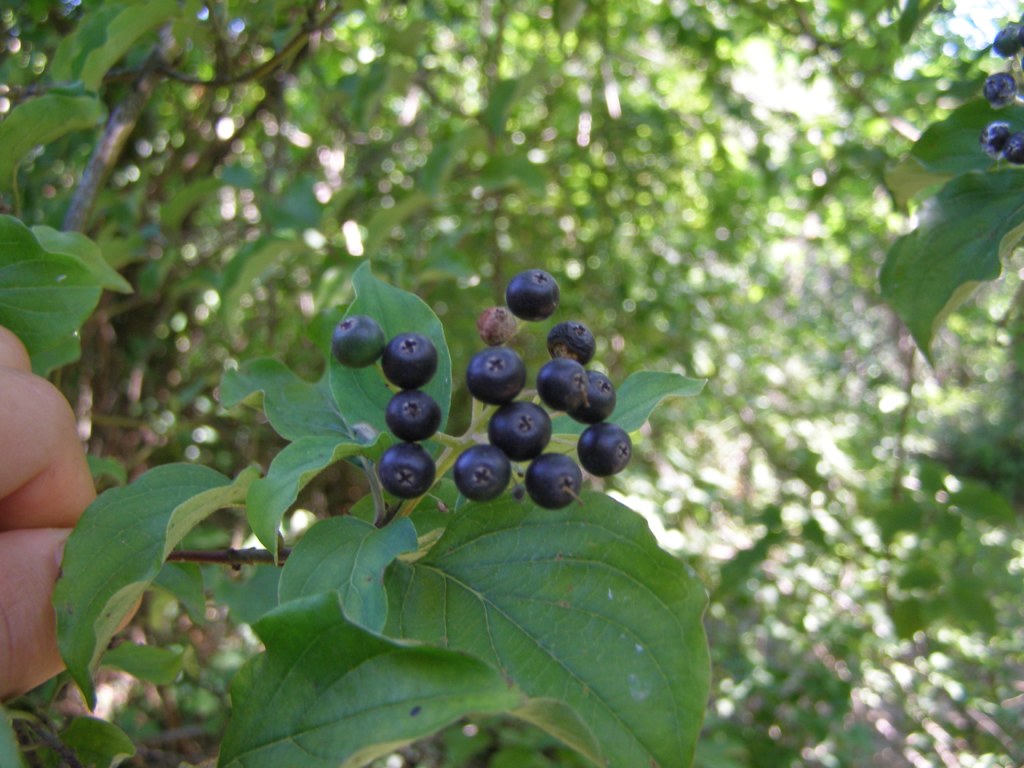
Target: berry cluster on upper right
pixel 1002 89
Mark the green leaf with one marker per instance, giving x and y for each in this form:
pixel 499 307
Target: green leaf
pixel 506 93
pixel 439 166
pixel 40 121
pixel 117 549
pixel 909 178
pixel 78 246
pixel 97 742
pixel 909 18
pixel 297 463
pixel 504 171
pixel 379 227
pixel 342 696
pixel 636 399
pixel 104 36
pixel 185 200
pixel 107 467
pixel 348 556
pixel 185 582
pixel 578 606
pixel 296 408
pixel 976 220
pixel 10 752
pixel 950 146
pixel 44 297
pixel 146 662
pixel 362 393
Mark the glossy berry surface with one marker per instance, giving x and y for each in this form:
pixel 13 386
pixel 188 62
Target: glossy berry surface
pixel 496 375
pixel 409 360
pixel 604 449
pixel 562 384
pixel 572 339
pixel 600 400
pixel 1013 150
pixel 553 480
pixel 1000 89
pixel 412 415
pixel 1007 42
pixel 357 341
pixel 522 430
pixel 482 472
pixel 532 295
pixel 993 138
pixel 496 325
pixel 406 470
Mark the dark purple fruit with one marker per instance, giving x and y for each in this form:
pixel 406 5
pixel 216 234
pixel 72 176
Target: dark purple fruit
pixel 562 384
pixel 482 472
pixel 572 339
pixel 409 361
pixel 406 470
pixel 496 375
pixel 553 480
pixel 522 430
pixel 532 295
pixel 604 449
pixel 600 400
pixel 412 415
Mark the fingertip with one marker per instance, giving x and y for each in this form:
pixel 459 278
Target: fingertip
pixel 12 351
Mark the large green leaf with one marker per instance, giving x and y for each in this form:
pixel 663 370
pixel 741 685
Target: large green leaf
pixel 295 407
pixel 40 121
pixel 98 743
pixel 78 246
pixel 250 263
pixel 104 36
pixel 963 234
pixel 297 463
pixel 637 398
pixel 327 693
pixel 348 556
pixel 44 297
pixel 362 394
pixel 10 753
pixel 577 606
pixel 117 549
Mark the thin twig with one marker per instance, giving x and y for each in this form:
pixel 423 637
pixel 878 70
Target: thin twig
pixel 236 558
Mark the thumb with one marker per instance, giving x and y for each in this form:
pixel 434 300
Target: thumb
pixel 29 562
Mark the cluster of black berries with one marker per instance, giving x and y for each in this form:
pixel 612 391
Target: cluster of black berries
pixel 409 361
pixel 998 140
pixel 519 430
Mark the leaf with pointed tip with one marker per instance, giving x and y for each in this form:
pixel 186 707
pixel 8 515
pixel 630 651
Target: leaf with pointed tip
pixel 327 693
pixel 78 246
pixel 348 556
pixel 963 233
pixel 42 120
pixel 97 743
pixel 636 400
pixel 44 297
pixel 118 548
pixel 295 407
pixel 290 471
pixel 362 394
pixel 146 662
pixel 578 606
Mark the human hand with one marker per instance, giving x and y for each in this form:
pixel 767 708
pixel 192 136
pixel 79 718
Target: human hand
pixel 44 487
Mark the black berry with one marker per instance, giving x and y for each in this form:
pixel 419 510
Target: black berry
pixel 522 430
pixel 482 472
pixel 573 340
pixel 410 360
pixel 562 384
pixel 496 325
pixel 532 295
pixel 553 480
pixel 600 400
pixel 357 341
pixel 993 138
pixel 1008 41
pixel 406 470
pixel 604 449
pixel 1013 150
pixel 412 415
pixel 1000 89
pixel 496 375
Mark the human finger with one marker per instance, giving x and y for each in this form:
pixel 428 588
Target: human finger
pixel 29 563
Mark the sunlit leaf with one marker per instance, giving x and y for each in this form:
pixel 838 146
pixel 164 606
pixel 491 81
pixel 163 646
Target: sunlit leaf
pixel 343 696
pixel 579 606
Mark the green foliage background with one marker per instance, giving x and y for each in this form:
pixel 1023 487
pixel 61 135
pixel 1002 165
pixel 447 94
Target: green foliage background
pixel 716 186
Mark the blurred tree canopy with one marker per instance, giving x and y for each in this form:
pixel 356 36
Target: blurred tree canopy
pixel 711 182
